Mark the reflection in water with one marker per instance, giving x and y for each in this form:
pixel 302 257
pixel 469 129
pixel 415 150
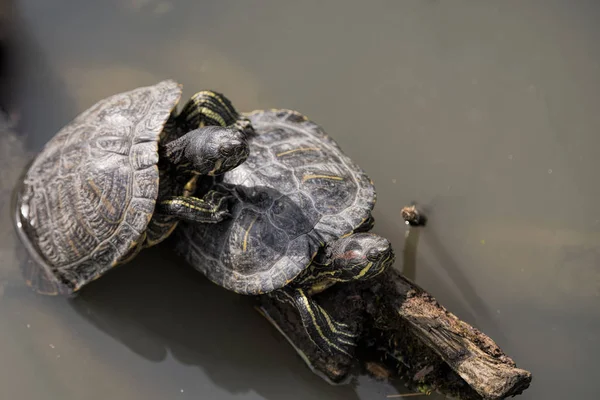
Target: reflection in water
pixel 409 259
pixel 467 291
pixel 415 218
pixel 13 158
pixel 160 307
pixel 6 16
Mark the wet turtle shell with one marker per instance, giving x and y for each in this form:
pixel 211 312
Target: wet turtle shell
pixel 296 191
pixel 88 197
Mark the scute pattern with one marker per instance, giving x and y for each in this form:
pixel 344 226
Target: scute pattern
pixel 296 191
pixel 90 193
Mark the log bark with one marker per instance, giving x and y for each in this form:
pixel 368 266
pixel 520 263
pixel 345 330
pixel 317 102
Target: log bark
pixel 471 354
pixel 405 333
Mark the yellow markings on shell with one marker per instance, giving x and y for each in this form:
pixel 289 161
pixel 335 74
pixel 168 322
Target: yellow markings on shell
pixel 150 243
pixel 139 244
pixel 103 199
pixel 158 223
pixel 245 243
pixel 69 240
pixel 331 177
pixel 74 247
pixel 299 149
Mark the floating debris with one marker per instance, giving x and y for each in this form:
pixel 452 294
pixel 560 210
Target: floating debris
pixel 412 216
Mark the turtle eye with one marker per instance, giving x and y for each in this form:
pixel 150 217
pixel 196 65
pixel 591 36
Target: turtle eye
pixel 373 255
pixel 226 150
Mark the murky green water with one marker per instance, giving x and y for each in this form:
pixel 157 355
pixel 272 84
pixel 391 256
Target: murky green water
pixel 484 111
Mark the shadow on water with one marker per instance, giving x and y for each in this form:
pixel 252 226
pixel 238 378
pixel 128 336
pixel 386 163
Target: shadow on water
pixel 467 290
pixel 6 28
pixel 409 256
pixel 427 236
pixel 411 243
pixel 159 305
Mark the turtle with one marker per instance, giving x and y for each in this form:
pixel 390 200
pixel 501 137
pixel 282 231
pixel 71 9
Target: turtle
pixel 301 212
pixel 119 177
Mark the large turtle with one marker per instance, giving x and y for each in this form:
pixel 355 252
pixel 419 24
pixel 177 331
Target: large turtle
pixel 300 220
pixel 118 178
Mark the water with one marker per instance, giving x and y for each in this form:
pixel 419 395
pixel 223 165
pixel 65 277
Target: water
pixel 486 112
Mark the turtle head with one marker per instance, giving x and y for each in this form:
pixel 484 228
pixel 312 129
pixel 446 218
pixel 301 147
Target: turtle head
pixel 210 150
pixel 361 256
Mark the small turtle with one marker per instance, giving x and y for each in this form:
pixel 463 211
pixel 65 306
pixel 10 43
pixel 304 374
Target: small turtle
pixel 118 178
pixel 301 213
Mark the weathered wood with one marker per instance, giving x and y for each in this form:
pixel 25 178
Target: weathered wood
pixel 474 356
pixel 406 333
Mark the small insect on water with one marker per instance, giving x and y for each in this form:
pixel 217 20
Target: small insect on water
pixel 412 216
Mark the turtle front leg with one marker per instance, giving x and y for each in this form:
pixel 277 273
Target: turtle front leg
pixel 212 208
pixel 325 332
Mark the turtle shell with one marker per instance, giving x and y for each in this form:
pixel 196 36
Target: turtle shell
pixel 296 191
pixel 88 197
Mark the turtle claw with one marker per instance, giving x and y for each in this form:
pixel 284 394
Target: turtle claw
pixel 210 209
pixel 224 216
pixel 221 213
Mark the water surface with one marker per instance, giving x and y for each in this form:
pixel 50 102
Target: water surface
pixel 486 112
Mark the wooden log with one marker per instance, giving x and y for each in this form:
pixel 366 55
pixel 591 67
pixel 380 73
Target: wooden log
pixel 471 354
pixel 405 333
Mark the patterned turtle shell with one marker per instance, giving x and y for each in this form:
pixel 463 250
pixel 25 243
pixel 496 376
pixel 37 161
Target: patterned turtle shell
pixel 88 197
pixel 296 191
